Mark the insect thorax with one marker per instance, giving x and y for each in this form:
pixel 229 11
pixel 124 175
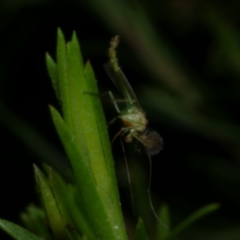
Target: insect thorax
pixel 135 120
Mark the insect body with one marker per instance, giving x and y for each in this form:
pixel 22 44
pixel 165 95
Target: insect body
pixel 133 117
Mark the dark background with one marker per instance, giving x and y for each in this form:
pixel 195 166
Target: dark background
pixel 182 59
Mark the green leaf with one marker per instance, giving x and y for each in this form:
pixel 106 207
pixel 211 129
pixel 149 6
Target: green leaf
pixel 53 73
pixel 101 122
pixel 16 231
pixel 81 222
pixel 54 216
pixel 35 220
pixel 84 135
pixel 140 233
pixel 85 180
pixel 62 75
pixel 61 193
pixel 80 121
pixel 102 139
pixel 58 195
pixel 193 218
pixel 163 231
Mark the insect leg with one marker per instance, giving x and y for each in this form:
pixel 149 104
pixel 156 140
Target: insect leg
pixel 114 101
pixel 120 132
pixel 128 176
pixel 149 193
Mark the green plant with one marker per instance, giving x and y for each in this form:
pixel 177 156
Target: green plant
pixel 87 205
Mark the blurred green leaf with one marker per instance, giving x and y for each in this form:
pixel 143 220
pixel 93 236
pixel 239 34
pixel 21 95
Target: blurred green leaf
pixel 53 73
pixel 35 220
pixel 154 51
pixel 62 75
pixel 163 231
pixel 32 139
pixel 55 182
pixel 140 233
pixel 75 218
pixel 16 231
pixel 50 205
pixel 193 218
pixel 227 37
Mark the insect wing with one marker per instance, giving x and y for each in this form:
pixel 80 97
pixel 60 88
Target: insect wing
pixel 122 84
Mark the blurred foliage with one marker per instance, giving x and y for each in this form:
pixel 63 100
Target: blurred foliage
pixel 182 59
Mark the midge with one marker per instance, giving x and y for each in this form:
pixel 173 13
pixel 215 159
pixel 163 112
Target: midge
pixel 133 117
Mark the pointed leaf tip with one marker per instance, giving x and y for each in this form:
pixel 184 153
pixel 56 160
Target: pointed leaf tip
pixel 16 231
pixel 141 233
